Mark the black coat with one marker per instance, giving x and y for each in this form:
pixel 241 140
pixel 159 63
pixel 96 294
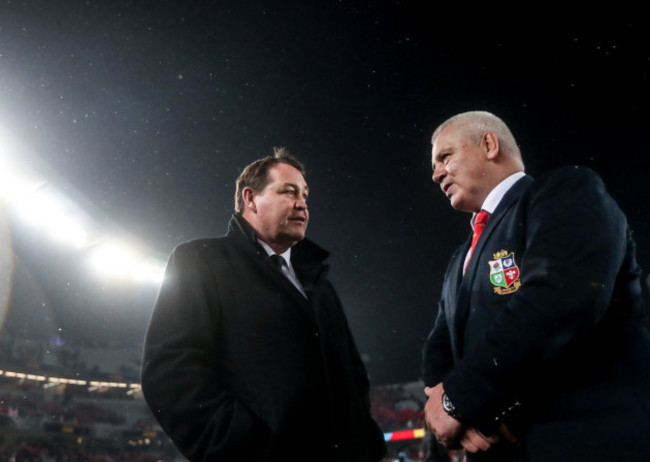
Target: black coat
pixel 550 315
pixel 239 366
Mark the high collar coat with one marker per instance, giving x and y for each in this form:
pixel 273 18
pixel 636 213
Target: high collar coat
pixel 239 365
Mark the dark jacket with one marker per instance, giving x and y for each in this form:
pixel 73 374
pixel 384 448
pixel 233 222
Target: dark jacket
pixel 550 315
pixel 238 365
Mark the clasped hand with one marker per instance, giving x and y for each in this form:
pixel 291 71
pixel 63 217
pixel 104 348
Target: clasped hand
pixel 450 432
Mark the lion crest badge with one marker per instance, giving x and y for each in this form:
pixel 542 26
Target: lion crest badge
pixel 504 273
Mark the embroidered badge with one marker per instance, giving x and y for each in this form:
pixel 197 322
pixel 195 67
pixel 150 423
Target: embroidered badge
pixel 504 273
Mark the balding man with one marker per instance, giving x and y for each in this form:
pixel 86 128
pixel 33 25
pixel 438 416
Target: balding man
pixel 540 350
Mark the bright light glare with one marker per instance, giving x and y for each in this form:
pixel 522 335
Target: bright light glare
pixel 149 271
pixel 38 204
pixel 119 261
pixel 69 230
pixel 15 181
pixel 54 214
pixel 38 208
pixel 113 259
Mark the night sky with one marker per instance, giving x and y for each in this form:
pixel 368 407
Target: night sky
pixel 146 112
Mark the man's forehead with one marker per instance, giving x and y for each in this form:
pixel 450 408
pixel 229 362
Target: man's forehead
pixel 446 141
pixel 287 175
pixel 441 145
pixel 298 184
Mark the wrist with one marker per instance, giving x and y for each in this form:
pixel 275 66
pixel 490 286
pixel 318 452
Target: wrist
pixel 449 407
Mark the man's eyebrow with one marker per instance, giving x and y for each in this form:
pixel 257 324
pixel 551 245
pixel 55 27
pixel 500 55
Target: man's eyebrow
pixel 294 185
pixel 441 152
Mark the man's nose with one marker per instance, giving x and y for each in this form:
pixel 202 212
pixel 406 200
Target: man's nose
pixel 438 174
pixel 301 204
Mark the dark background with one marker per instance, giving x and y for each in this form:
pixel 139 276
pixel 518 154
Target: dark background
pixel 145 113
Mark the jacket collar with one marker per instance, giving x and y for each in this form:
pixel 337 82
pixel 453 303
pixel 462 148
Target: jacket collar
pixel 304 253
pixel 307 259
pixel 503 206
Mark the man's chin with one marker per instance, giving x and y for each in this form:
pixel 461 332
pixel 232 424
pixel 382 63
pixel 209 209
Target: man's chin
pixel 460 205
pixel 292 239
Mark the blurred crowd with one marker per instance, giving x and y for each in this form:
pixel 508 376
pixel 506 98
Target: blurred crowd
pixel 42 421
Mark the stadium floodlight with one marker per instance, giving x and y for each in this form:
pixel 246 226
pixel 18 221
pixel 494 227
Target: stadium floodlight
pixel 15 181
pixel 36 202
pixel 113 258
pixel 15 178
pixel 149 271
pixel 37 208
pixel 70 231
pixel 117 260
pixel 54 214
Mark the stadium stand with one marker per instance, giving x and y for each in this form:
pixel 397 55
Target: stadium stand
pixel 61 401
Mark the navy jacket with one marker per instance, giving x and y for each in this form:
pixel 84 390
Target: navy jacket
pixel 549 321
pixel 238 365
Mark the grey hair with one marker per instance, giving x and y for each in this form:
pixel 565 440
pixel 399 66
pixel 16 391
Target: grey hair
pixel 474 124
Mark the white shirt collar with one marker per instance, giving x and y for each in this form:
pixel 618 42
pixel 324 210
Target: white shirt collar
pixel 286 255
pixel 494 197
pixel 288 270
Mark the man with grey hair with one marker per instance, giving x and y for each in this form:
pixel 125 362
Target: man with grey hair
pixel 248 355
pixel 540 350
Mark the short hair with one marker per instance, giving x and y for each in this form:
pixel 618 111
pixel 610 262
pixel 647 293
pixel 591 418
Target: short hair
pixel 474 124
pixel 256 174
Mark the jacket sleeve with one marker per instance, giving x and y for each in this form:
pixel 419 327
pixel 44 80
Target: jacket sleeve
pixel 180 379
pixel 437 354
pixel 575 244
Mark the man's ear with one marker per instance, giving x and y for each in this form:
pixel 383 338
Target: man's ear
pixel 249 199
pixel 491 144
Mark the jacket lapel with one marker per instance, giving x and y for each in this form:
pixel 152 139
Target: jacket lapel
pixel 282 282
pixel 467 282
pixel 244 235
